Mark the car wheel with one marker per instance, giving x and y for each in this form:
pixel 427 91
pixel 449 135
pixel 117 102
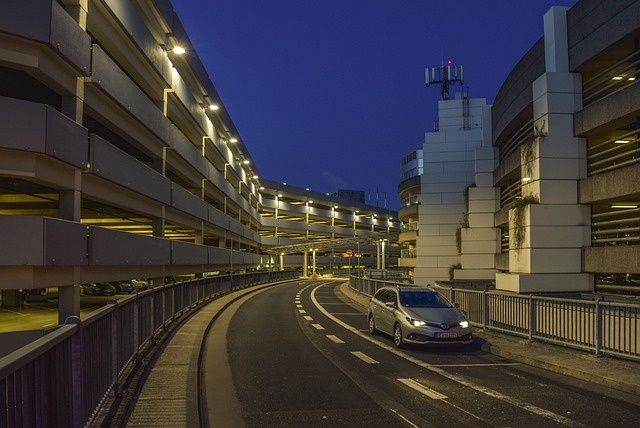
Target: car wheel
pixel 397 336
pixel 372 325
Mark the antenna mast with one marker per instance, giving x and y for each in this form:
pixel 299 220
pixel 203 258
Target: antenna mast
pixel 446 75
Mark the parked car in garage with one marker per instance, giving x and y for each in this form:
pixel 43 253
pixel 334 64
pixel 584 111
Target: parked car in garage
pixel 100 289
pixel 123 287
pixel 140 284
pixel 417 315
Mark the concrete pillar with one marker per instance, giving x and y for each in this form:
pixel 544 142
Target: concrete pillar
pixel 69 205
pixel 305 263
pixel 548 229
pixel 313 265
pixel 68 302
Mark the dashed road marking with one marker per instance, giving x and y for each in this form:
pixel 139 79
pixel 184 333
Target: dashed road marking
pixel 364 357
pixel 417 386
pixel 334 339
pixel 318 326
pixel 308 318
pixel 452 376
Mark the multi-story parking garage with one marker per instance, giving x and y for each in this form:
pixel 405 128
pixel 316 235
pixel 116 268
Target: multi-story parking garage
pixel 118 159
pixel 561 210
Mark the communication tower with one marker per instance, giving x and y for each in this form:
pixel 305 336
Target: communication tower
pixel 446 75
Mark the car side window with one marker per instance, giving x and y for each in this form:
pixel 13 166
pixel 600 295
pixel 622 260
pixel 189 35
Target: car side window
pixel 379 295
pixel 391 297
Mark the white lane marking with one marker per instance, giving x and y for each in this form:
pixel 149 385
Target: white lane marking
pixel 302 311
pixel 404 419
pixel 451 376
pixel 477 364
pixel 318 326
pixel 334 339
pixel 417 386
pixel 364 357
pixel 298 306
pixel 308 318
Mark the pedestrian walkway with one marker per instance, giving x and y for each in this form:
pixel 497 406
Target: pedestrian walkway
pixel 169 395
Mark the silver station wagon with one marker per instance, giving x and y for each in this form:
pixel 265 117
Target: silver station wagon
pixel 417 315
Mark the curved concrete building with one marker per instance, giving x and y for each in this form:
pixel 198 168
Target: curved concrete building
pixel 561 211
pixel 118 159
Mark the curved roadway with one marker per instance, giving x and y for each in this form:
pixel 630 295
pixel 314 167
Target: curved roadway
pixel 299 354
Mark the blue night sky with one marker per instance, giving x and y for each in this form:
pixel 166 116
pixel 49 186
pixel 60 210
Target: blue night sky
pixel 330 94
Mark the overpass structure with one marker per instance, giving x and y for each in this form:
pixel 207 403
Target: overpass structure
pixel 331 244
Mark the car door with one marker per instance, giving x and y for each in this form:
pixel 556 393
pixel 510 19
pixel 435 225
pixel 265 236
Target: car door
pixel 387 313
pixel 378 309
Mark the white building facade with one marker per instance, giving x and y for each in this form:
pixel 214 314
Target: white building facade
pixel 541 191
pixel 449 170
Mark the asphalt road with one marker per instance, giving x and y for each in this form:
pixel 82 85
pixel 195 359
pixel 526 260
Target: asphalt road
pixel 301 355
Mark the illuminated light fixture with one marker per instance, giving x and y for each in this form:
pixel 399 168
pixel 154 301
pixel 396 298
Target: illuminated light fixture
pixel 622 141
pixel 624 207
pixel 617 78
pixel 632 78
pixel 233 140
pixel 213 107
pixel 526 179
pixel 178 50
pixel 255 177
pixel 246 161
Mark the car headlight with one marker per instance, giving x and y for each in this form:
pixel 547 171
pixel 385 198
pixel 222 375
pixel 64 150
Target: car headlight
pixel 464 324
pixel 416 323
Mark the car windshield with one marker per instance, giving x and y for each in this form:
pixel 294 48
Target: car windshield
pixel 422 299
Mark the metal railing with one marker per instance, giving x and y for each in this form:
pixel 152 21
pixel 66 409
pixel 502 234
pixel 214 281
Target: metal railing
pixel 616 227
pixel 410 226
pixel 410 200
pixel 63 378
pixel 522 135
pixel 611 79
pixel 615 153
pixel 408 253
pixel 595 325
pixel 510 193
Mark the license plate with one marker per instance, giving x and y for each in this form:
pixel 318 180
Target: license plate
pixel 447 335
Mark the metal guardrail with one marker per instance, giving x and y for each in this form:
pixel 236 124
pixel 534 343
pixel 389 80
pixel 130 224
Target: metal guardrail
pixel 63 378
pixel 616 227
pixel 598 326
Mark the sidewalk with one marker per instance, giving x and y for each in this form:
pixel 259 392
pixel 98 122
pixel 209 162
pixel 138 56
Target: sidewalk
pixel 611 372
